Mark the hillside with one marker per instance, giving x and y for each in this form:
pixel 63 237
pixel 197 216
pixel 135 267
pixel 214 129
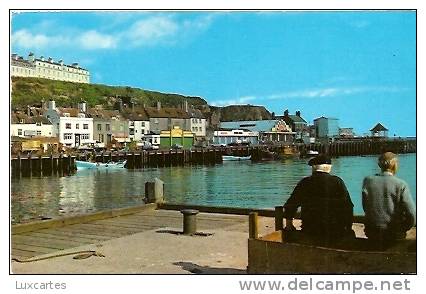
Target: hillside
pixel 30 91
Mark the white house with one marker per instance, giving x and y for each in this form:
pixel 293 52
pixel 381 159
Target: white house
pixel 139 124
pixel 71 125
pixel 27 125
pixel 197 122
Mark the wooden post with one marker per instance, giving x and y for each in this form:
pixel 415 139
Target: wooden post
pixel 164 158
pixel 133 159
pixel 30 164
pixel 19 165
pixel 40 159
pixel 279 216
pixel 253 221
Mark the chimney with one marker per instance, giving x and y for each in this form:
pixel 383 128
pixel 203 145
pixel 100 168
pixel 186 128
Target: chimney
pixel 61 62
pixel 28 110
pixel 50 59
pixel 14 56
pixel 42 58
pixel 286 112
pixel 52 105
pixel 298 113
pixel 82 106
pixel 158 105
pixel 31 57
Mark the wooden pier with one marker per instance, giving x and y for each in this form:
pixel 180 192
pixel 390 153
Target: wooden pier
pixel 65 164
pixel 27 166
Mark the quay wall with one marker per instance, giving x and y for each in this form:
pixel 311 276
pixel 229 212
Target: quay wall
pixel 65 164
pixel 28 166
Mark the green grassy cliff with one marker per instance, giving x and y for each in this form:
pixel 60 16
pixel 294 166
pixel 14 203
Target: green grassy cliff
pixel 30 91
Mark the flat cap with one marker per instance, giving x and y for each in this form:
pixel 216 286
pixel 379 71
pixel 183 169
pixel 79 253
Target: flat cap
pixel 320 159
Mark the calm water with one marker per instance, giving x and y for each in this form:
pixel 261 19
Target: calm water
pixel 238 184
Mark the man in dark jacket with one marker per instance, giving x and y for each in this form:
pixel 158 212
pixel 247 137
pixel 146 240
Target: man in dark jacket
pixel 326 208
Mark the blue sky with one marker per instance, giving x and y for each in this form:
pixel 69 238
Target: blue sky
pixel 357 66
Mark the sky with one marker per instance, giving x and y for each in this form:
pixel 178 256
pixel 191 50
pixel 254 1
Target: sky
pixel 357 66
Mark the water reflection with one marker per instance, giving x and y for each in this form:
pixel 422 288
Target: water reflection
pixel 239 184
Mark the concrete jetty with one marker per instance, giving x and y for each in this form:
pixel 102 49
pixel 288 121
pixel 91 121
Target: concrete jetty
pixel 143 240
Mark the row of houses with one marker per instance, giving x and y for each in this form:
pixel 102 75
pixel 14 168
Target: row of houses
pixel 163 126
pixel 83 126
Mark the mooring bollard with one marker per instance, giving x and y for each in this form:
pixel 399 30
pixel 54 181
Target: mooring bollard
pixel 189 221
pixel 154 191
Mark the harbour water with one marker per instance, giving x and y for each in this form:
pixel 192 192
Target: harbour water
pixel 235 184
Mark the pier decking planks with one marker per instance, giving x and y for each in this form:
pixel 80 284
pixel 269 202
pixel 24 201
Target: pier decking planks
pixel 42 241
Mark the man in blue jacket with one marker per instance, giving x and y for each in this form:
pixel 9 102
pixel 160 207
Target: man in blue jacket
pixel 326 207
pixel 388 206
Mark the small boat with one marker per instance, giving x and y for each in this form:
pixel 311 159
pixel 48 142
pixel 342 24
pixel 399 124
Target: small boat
pixel 312 153
pixel 235 158
pixel 99 165
pixel 309 153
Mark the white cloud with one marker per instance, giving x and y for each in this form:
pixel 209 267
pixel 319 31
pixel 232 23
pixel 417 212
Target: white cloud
pixel 94 40
pixel 152 30
pixel 309 93
pixel 165 29
pixel 330 92
pixel 239 101
pixel 25 39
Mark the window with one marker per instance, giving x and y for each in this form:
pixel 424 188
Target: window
pixel 99 127
pixel 101 137
pixel 86 126
pixel 84 136
pixel 131 132
pixel 38 133
pixel 67 136
pixel 107 127
pixel 77 126
pixel 142 131
pixel 68 125
pixel 143 124
pixel 19 132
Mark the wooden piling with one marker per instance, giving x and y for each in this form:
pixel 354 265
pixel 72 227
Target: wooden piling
pixel 279 216
pixel 253 225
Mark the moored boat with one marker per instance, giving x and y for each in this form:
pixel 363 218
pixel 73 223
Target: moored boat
pixel 99 165
pixel 235 158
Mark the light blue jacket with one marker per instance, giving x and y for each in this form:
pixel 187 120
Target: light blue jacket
pixel 387 203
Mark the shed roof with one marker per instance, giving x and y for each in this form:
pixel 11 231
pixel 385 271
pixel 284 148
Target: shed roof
pixel 379 128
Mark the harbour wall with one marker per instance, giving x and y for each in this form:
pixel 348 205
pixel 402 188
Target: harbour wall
pixel 24 166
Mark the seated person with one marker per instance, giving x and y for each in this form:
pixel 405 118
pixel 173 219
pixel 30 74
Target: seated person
pixel 326 208
pixel 388 206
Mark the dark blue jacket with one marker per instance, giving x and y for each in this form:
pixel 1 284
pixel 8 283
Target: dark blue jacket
pixel 326 207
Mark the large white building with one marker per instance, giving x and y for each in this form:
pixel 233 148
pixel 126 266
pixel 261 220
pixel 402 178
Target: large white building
pixel 72 126
pixel 48 69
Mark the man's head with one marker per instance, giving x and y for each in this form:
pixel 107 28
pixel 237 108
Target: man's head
pixel 388 161
pixel 320 163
